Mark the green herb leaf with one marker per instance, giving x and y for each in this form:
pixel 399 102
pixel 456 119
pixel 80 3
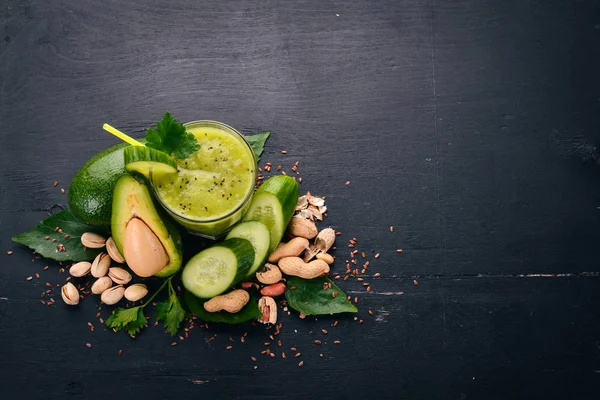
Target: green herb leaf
pixel 171 137
pixel 196 306
pixel 70 238
pixel 257 142
pixel 309 297
pixel 131 319
pixel 171 312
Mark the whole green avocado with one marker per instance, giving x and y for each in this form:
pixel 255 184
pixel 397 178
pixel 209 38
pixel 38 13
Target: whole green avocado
pixel 91 192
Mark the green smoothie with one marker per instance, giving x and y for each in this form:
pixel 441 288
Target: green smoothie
pixel 212 188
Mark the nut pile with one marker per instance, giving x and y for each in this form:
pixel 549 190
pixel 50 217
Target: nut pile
pixel 296 257
pixel 106 275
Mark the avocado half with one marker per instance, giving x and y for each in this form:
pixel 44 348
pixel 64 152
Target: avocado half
pixel 132 202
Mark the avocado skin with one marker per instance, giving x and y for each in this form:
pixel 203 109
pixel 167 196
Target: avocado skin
pixel 91 192
pixel 131 198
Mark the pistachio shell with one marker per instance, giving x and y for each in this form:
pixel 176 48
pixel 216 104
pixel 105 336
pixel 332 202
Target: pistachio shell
pixel 101 285
pixel 93 240
pixel 80 269
pixel 119 275
pixel 100 265
pixel 113 295
pixel 136 292
pixel 113 251
pixel 70 294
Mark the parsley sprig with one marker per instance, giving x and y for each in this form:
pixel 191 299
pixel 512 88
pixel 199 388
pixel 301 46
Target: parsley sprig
pixel 171 137
pixel 134 320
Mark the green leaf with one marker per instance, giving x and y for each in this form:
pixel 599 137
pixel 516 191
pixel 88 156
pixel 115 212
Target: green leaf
pixel 131 319
pixel 171 312
pixel 196 306
pixel 309 297
pixel 71 227
pixel 257 142
pixel 171 137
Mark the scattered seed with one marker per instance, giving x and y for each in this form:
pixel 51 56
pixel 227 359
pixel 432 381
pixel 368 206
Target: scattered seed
pixel 292 348
pixel 253 358
pixel 335 323
pixel 229 347
pixel 9 252
pixel 399 251
pixel 334 294
pixel 282 355
pixel 347 183
pixel 377 275
pixel 368 288
pixel 55 184
pixel 370 312
pixel 317 341
pixel 283 152
pixel 392 228
pixel 62 191
pixel 360 321
pixel 120 353
pixel 29 278
pixel 88 344
pixel 297 355
pixel 377 255
pixel 301 363
pixel 416 282
pixel 174 344
pixel 272 355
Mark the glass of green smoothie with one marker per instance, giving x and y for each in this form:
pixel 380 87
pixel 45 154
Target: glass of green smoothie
pixel 212 188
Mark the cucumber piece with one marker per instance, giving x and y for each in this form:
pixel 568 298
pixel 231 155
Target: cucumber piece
pixel 143 159
pixel 273 204
pixel 216 269
pixel 258 235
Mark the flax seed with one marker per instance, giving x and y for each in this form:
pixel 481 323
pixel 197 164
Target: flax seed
pixel 377 255
pixel 334 294
pixel 399 251
pixel 297 355
pixel 253 358
pixel 416 282
pixel 301 363
pixel 282 355
pixel 317 341
pixel 392 228
pixel 335 323
pixel 62 191
pixel 360 321
pixel 370 312
pixel 174 344
pixel 347 183
pixel 363 254
pixel 368 288
pixel 272 355
pixel 336 342
pixel 283 152
pixel 324 331
pixel 359 279
pixel 377 275
pixel 229 347
pixel 88 344
pixel 55 184
pixel 29 278
pixel 292 348
pixel 120 353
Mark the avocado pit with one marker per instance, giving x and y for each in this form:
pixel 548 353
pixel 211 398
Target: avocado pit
pixel 143 250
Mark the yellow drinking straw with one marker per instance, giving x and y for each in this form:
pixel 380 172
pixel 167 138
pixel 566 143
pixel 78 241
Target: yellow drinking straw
pixel 121 135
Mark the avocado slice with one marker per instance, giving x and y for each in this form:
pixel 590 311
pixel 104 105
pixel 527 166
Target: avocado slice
pixel 148 240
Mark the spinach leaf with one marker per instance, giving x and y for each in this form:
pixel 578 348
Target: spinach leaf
pixel 70 238
pixel 196 306
pixel 257 142
pixel 309 297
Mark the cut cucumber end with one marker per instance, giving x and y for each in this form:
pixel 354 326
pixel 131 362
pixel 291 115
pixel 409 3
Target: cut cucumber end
pixel 216 269
pixel 266 208
pixel 258 235
pixel 143 160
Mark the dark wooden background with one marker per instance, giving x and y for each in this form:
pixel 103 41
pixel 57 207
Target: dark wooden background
pixel 470 126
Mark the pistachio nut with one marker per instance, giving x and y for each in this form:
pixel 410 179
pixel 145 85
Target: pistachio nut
pixel 268 308
pixel 80 269
pixel 113 251
pixel 101 285
pixel 112 295
pixel 100 265
pixel 119 275
pixel 70 294
pixel 143 250
pixel 136 292
pixel 92 240
pixel 269 274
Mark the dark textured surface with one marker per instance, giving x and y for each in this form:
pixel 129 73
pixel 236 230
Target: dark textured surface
pixel 471 126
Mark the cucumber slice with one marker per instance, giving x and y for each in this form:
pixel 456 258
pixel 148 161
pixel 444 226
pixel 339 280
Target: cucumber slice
pixel 144 159
pixel 216 269
pixel 258 235
pixel 273 204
